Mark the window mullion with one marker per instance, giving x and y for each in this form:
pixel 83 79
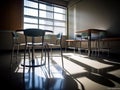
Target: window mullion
pixel 38 15
pixel 53 18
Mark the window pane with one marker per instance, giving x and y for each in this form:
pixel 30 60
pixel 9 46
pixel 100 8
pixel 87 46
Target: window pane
pixel 59 29
pixel 47 22
pixel 45 14
pixel 44 27
pixel 46 7
pixel 30 20
pixel 58 23
pixel 30 4
pixel 60 10
pixel 30 26
pixel 59 16
pixel 31 12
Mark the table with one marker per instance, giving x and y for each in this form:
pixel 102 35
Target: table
pixel 89 32
pixel 34 33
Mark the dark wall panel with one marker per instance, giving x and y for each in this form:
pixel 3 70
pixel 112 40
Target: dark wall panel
pixel 11 18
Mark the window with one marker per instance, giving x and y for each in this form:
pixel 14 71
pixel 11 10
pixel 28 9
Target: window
pixel 45 16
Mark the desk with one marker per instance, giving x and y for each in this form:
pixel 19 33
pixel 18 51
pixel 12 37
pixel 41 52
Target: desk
pixel 89 32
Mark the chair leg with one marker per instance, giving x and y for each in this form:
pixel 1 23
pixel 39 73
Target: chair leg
pixel 12 54
pixel 29 54
pixel 18 46
pixel 48 58
pixel 51 52
pixel 45 54
pixel 24 59
pixel 43 61
pixel 62 57
pixel 41 56
pixel 47 50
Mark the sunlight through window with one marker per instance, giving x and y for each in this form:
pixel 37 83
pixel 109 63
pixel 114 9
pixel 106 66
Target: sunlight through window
pixel 45 16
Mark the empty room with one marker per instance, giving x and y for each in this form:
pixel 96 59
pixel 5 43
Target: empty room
pixel 60 44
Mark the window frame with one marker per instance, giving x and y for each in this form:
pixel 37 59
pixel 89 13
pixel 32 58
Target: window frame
pixel 46 19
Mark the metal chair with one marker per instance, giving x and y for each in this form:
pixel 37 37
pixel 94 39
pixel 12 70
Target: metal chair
pixel 16 44
pixel 58 43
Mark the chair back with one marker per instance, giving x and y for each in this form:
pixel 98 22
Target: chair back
pixel 34 33
pixel 15 37
pixel 59 37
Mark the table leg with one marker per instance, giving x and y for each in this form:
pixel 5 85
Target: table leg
pixel 89 43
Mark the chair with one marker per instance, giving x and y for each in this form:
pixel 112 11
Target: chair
pixel 83 38
pixel 16 44
pixel 58 43
pixel 33 34
pixel 69 42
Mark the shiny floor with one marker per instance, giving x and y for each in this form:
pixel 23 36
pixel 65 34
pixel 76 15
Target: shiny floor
pixel 80 73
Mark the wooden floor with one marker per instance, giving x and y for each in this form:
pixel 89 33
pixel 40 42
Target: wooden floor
pixel 80 73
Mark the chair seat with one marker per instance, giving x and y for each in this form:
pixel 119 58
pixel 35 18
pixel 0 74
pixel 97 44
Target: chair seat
pixel 54 45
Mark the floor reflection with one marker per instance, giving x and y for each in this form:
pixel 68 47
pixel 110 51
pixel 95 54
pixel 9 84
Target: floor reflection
pixel 79 73
pixel 37 79
pixel 99 73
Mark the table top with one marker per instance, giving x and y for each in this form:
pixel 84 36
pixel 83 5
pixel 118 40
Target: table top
pixel 21 31
pixel 91 30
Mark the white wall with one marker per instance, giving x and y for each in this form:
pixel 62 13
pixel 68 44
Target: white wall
pixel 97 14
pixel 94 14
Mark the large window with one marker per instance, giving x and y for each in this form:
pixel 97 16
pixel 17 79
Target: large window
pixel 45 16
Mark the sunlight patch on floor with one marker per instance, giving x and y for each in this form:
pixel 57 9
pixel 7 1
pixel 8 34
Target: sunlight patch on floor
pixel 115 72
pixel 74 54
pixel 111 61
pixel 71 67
pixel 91 85
pixel 44 69
pixel 90 62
